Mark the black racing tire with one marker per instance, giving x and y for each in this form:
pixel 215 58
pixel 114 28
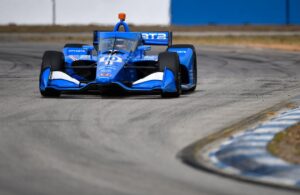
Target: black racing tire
pixel 55 61
pixel 171 61
pixel 74 45
pixel 50 93
pixel 195 74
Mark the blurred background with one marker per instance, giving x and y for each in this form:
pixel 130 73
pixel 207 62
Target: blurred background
pixel 155 12
pixel 100 12
pixel 259 23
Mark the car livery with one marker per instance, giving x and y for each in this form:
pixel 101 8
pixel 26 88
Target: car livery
pixel 119 61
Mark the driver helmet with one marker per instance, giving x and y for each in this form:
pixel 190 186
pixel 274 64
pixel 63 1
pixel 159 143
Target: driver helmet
pixel 120 45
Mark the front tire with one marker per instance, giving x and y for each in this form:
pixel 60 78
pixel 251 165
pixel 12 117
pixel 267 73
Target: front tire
pixel 170 60
pixel 55 61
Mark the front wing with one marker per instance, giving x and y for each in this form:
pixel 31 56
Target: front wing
pixel 60 81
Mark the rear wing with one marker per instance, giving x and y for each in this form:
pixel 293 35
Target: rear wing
pixel 157 38
pixel 148 38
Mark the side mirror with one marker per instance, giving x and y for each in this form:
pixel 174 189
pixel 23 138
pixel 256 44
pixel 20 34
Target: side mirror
pixel 144 48
pixel 88 48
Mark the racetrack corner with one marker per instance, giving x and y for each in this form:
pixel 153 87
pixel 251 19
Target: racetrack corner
pixel 240 151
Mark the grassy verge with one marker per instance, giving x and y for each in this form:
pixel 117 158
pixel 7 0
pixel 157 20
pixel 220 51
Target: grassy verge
pixel 286 144
pixel 291 43
pixel 89 28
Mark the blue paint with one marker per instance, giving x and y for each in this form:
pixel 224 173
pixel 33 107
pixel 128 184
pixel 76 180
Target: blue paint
pixel 266 170
pixel 294 14
pixel 169 84
pixel 227 149
pixel 119 24
pixel 282 126
pixel 246 141
pixel 235 12
pixel 44 78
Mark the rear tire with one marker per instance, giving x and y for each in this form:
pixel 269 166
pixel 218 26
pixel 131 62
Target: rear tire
pixel 195 74
pixel 55 61
pixel 170 60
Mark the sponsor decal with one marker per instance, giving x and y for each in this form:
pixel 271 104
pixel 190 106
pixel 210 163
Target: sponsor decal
pixel 159 36
pixel 76 50
pixel 105 74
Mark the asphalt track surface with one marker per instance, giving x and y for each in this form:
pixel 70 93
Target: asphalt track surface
pixel 127 145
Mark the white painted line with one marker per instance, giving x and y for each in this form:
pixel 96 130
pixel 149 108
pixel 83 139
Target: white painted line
pixel 257 137
pixel 296 117
pixel 277 180
pixel 270 130
pixel 239 152
pixel 249 144
pixel 214 159
pixel 227 142
pixel 271 161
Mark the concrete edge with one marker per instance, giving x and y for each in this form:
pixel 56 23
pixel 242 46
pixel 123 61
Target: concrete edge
pixel 188 154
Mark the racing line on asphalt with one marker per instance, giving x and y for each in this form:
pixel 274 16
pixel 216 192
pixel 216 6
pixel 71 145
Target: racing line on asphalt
pixel 127 145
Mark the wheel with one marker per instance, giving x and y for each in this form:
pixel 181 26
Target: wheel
pixel 171 61
pixel 76 45
pixel 194 60
pixel 55 61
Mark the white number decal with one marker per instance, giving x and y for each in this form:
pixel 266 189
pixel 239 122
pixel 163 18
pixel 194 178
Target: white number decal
pixel 110 60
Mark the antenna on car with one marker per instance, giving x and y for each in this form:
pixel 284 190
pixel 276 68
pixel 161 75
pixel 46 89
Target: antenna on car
pixel 122 17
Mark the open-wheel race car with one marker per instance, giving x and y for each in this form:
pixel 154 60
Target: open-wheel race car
pixel 118 61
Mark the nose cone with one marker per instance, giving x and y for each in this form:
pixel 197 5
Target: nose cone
pixel 104 80
pixel 108 68
pixel 105 73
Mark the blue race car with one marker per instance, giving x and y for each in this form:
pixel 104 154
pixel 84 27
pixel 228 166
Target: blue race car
pixel 118 61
